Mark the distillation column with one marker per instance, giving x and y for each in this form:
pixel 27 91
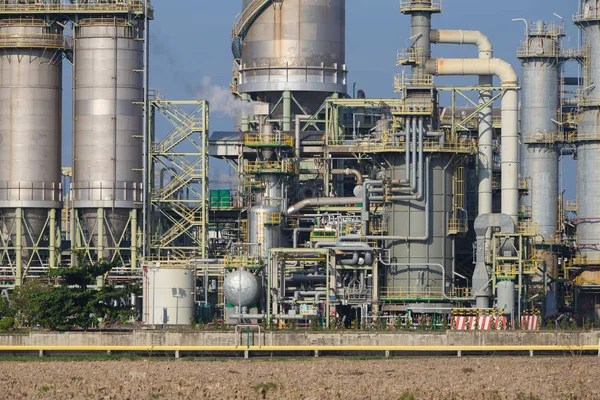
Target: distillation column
pixel 30 138
pixel 541 59
pixel 107 142
pixel 588 156
pixel 420 248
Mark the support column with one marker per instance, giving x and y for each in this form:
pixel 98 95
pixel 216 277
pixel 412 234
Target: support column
pixel 134 243
pixel 52 234
pixel 19 247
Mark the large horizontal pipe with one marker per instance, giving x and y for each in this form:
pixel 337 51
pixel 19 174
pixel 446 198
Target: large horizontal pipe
pixel 484 45
pixel 349 171
pixel 510 109
pixel 323 201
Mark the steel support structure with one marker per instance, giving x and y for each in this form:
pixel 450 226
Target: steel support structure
pixel 177 173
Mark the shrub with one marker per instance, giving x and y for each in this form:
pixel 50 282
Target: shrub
pixel 6 323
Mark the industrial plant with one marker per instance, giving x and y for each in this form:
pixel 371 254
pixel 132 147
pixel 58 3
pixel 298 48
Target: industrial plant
pixel 344 210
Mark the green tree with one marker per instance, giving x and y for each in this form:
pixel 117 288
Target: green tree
pixel 67 300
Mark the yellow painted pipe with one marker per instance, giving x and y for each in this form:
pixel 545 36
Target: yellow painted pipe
pixel 306 348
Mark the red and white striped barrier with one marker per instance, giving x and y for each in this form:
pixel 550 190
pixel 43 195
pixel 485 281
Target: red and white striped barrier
pixel 530 322
pixel 482 323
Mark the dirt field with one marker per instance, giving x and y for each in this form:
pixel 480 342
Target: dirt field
pixel 425 378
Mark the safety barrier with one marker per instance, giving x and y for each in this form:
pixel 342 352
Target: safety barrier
pixel 316 350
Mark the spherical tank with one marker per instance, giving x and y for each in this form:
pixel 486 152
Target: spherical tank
pixel 108 89
pixel 241 288
pixel 296 45
pixel 171 289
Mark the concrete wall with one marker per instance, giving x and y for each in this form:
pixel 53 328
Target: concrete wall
pixel 227 338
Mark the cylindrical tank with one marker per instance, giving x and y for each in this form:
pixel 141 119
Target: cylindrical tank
pixel 505 297
pixel 170 289
pixel 241 288
pixel 265 228
pixel 588 148
pixel 296 46
pixel 30 124
pixel 107 144
pixel 541 71
pixel 421 276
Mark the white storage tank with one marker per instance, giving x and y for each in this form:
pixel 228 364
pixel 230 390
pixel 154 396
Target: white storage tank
pixel 168 295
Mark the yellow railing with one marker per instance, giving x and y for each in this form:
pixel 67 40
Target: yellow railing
pixel 37 41
pixel 410 55
pixel 420 5
pixel 461 293
pixel 273 167
pixel 133 6
pixel 272 218
pixel 386 142
pixel 512 270
pixel 586 15
pixel 527 228
pixel 456 226
pixel 411 293
pixel 571 206
pixel 403 80
pixel 275 140
pixel 235 262
pixel 584 260
pixel 543 138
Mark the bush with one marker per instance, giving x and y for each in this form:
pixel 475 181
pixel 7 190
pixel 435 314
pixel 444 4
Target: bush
pixel 6 323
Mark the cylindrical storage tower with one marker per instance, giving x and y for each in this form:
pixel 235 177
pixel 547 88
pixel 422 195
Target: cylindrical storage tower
pixel 295 46
pixel 541 59
pixel 241 288
pixel 30 130
pixel 588 135
pixel 107 142
pixel 265 228
pixel 168 292
pixel 505 299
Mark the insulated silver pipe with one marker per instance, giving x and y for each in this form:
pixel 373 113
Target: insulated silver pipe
pixel 323 201
pixel 485 153
pixel 349 171
pixel 510 112
pixel 414 155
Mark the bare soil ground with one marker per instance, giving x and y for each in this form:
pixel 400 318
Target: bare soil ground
pixel 425 378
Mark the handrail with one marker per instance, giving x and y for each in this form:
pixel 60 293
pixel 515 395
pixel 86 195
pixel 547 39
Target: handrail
pixel 249 15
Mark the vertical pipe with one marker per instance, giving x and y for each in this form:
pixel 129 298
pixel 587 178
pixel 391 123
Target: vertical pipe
pixel 134 243
pixel 52 238
pixel 145 132
pixel 287 111
pixel 100 230
pixel 486 152
pixel 19 247
pixel 407 154
pixel 414 155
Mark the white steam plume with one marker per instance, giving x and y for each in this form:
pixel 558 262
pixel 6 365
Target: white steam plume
pixel 220 98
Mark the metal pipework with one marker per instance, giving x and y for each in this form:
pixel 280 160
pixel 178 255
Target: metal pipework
pixel 427 234
pixel 299 117
pixel 323 201
pixel 349 171
pixel 485 151
pixel 510 116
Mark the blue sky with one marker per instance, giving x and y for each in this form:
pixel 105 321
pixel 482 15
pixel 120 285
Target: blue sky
pixel 191 42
